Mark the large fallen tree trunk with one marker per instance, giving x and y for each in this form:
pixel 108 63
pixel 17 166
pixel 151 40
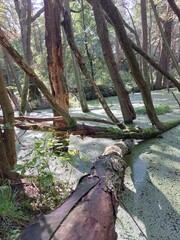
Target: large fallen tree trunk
pixel 90 211
pixel 133 132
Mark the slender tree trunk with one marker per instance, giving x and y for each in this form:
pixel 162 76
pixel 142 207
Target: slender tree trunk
pixel 145 39
pixel 164 57
pixel 80 87
pixel 117 22
pixel 123 96
pixel 54 56
pixel 7 138
pixel 89 55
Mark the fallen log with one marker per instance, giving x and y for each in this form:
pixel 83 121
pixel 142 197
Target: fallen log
pixel 131 132
pixel 58 118
pixel 90 211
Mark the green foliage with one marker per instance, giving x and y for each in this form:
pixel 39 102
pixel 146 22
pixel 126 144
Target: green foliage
pixel 128 80
pixel 10 212
pixel 160 109
pixel 41 163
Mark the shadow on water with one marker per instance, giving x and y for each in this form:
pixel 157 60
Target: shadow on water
pixel 155 212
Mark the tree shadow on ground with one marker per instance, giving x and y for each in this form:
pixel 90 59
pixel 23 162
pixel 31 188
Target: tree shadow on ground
pixel 153 209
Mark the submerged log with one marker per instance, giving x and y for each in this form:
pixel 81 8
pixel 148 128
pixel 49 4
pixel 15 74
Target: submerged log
pixel 90 211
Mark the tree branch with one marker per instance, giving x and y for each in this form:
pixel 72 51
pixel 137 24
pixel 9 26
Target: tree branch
pixel 174 7
pixel 33 18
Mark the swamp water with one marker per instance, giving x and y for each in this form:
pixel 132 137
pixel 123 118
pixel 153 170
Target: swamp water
pixel 152 187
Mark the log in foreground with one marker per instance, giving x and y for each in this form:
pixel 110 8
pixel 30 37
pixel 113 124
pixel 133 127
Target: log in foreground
pixel 90 211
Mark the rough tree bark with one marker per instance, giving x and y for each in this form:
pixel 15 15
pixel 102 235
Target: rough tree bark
pixel 117 22
pixel 90 211
pixel 7 136
pixel 54 54
pixel 123 96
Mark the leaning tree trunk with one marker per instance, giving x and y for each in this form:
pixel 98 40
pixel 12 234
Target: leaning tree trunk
pixel 7 136
pixel 174 7
pixel 123 96
pixel 117 22
pixel 155 64
pixel 70 37
pixel 90 211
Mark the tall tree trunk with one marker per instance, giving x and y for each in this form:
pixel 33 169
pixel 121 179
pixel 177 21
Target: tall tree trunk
pixel 80 87
pixel 54 55
pixel 7 138
pixel 89 55
pixel 164 57
pixel 123 96
pixel 145 38
pixel 117 21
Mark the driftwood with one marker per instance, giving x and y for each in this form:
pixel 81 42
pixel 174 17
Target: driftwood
pixel 90 211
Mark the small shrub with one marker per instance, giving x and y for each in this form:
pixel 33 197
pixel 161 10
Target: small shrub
pixel 11 214
pixel 41 164
pixel 160 109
